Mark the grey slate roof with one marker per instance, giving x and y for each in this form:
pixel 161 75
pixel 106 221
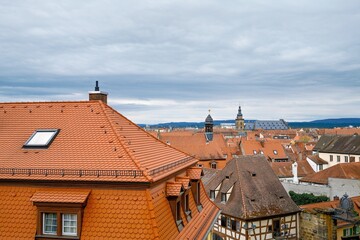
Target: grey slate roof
pixel 267 125
pixel 343 144
pixel 256 193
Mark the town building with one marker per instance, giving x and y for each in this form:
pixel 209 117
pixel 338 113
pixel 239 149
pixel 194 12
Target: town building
pixel 331 182
pixel 81 170
pixel 335 149
pixel 253 203
pixel 335 220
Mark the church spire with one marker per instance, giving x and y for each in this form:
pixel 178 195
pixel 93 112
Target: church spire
pixel 239 121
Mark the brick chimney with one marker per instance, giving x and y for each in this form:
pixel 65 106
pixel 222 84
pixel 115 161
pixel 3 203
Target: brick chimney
pixel 97 94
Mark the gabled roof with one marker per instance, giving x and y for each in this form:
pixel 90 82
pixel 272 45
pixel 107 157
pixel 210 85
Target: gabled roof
pixel 344 144
pixel 174 189
pixel 341 170
pixel 60 197
pixel 256 193
pixel 95 143
pixel 284 169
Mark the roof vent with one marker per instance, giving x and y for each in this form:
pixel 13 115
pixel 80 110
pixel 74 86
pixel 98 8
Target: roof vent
pixel 253 174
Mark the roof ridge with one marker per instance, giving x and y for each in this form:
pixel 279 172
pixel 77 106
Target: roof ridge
pixel 150 135
pixel 152 214
pixel 46 102
pixel 132 157
pixel 241 191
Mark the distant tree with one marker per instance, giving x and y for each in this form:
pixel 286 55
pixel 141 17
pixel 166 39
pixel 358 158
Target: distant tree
pixel 306 198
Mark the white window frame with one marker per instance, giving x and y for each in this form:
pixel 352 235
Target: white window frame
pixel 36 140
pixel 64 233
pixel 44 225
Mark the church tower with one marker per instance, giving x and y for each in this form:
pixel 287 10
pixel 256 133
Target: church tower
pixel 209 124
pixel 239 121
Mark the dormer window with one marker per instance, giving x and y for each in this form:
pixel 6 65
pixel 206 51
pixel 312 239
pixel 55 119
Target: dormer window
pixel 41 138
pixel 223 197
pixel 212 194
pixel 213 165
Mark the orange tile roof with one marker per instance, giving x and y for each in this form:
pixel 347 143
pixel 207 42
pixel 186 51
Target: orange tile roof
pixel 173 189
pixel 194 173
pixel 185 181
pixel 341 170
pixel 196 144
pixel 95 143
pixel 268 147
pixel 284 169
pixel 60 197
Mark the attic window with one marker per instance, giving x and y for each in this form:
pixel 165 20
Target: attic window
pixel 41 138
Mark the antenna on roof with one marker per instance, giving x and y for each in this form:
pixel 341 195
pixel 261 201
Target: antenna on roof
pixel 97 86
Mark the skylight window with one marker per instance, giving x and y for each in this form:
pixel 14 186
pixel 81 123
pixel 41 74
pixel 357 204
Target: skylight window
pixel 41 138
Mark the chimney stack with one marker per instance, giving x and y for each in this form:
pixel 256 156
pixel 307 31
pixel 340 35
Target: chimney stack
pixel 97 94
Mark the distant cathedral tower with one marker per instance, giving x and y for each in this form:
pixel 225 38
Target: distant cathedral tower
pixel 209 124
pixel 239 121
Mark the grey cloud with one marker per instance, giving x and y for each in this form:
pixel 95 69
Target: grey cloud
pixel 278 58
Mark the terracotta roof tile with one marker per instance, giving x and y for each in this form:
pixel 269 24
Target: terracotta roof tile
pixel 271 149
pixel 185 181
pixel 94 141
pixel 341 170
pixel 60 197
pixel 174 189
pixel 194 173
pixel 284 169
pixel 196 145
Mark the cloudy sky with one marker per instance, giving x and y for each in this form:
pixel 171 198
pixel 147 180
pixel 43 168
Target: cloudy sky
pixel 166 61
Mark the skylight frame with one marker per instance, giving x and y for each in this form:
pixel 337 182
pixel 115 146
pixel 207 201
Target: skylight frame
pixel 38 141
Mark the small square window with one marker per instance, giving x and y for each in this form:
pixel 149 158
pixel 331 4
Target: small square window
pixel 41 138
pixel 69 224
pixel 50 223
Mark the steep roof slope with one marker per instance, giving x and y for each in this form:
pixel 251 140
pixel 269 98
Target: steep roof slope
pixel 341 170
pixel 95 143
pixel 256 192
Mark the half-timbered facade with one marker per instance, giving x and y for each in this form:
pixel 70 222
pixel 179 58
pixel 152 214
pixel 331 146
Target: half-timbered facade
pixel 253 202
